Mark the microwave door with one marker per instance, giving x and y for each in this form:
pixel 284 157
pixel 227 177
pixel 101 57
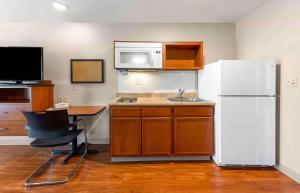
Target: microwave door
pixel 133 58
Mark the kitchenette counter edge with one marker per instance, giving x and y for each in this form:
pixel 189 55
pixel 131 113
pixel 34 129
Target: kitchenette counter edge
pixel 158 101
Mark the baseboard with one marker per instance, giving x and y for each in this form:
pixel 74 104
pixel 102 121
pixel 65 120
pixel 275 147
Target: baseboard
pixel 170 158
pixel 24 140
pixel 98 140
pixel 290 173
pixel 15 140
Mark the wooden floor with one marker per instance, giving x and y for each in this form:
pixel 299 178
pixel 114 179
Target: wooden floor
pixel 98 175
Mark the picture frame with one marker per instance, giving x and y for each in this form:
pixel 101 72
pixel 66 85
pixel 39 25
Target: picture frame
pixel 87 71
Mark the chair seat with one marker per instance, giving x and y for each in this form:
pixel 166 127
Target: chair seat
pixel 57 141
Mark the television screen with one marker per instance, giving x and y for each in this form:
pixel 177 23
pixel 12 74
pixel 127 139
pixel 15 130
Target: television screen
pixel 21 63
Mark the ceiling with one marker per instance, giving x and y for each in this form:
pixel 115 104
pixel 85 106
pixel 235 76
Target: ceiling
pixel 128 11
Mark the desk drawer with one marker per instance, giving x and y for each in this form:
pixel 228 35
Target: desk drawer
pixel 125 111
pixel 156 111
pixel 12 128
pixel 199 111
pixel 13 111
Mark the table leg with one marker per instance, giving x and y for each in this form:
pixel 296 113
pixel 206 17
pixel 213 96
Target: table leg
pixel 61 152
pixel 74 142
pixel 75 149
pixel 65 161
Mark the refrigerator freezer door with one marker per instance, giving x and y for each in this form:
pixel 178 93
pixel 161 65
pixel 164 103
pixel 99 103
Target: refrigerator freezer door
pixel 247 126
pixel 248 77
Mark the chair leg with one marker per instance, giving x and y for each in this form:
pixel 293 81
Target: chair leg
pixel 28 182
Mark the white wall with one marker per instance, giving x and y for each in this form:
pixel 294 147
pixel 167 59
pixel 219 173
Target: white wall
pixel 273 31
pixel 157 82
pixel 63 41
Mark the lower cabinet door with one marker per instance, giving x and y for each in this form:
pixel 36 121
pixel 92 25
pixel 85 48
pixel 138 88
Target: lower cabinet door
pixel 156 136
pixel 125 136
pixel 193 136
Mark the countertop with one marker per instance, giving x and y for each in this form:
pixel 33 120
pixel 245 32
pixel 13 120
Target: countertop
pixel 157 101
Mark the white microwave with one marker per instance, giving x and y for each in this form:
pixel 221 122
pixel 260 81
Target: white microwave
pixel 138 55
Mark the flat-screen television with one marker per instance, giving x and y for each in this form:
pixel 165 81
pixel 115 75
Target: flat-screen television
pixel 21 63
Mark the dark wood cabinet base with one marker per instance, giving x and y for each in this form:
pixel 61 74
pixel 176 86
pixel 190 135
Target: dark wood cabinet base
pixel 161 132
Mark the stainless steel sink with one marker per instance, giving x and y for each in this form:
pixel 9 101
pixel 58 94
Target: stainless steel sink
pixel 186 99
pixel 127 100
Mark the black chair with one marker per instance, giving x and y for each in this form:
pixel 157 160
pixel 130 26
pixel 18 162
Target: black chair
pixel 51 129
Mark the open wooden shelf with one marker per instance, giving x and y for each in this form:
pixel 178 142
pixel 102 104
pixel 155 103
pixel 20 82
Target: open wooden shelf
pixel 16 101
pixel 17 98
pixel 182 55
pixel 15 95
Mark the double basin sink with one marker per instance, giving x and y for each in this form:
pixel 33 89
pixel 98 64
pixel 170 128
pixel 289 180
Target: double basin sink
pixel 172 99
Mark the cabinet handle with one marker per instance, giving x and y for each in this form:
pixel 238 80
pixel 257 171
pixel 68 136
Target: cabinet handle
pixel 3 129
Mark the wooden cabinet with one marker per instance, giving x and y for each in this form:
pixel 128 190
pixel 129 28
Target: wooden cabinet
pixel 125 111
pixel 13 112
pixel 156 131
pixel 125 131
pixel 193 130
pixel 41 97
pixel 156 136
pixel 197 111
pixel 156 111
pixel 182 55
pixel 125 136
pixel 161 131
pixel 193 135
pixel 12 128
pixel 15 99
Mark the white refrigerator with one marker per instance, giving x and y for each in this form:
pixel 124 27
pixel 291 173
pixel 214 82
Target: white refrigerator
pixel 245 113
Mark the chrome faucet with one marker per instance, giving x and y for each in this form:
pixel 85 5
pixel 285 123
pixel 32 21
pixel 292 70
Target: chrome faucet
pixel 180 92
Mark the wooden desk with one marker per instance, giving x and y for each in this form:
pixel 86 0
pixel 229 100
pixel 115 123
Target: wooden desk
pixel 85 110
pixel 74 112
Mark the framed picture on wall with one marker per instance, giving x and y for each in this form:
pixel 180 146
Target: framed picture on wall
pixel 87 71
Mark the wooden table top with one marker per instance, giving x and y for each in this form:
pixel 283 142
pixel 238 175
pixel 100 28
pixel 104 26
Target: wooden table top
pixel 84 110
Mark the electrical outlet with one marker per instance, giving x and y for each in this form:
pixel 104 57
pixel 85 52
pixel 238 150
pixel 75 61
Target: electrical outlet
pixel 59 99
pixel 292 82
pixel 138 81
pixel 74 87
pixel 65 99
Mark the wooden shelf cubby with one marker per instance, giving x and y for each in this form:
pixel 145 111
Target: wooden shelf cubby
pixel 17 98
pixel 15 95
pixel 182 55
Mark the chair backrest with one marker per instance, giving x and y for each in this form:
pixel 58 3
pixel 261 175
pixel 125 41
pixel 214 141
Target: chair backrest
pixel 47 124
